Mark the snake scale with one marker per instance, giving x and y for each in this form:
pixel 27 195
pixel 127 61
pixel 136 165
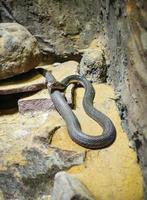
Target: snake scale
pixel 74 129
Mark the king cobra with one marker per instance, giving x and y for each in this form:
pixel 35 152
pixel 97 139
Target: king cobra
pixel 74 129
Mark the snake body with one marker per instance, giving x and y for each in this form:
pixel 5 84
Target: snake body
pixel 91 142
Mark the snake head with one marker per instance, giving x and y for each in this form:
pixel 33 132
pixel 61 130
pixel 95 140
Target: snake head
pixel 56 86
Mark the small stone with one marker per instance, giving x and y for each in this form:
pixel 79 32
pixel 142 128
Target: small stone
pixel 67 187
pixel 19 50
pixel 40 101
pixel 93 65
pixel 56 64
pixel 44 197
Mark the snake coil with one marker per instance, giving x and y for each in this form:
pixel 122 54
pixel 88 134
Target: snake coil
pixel 91 142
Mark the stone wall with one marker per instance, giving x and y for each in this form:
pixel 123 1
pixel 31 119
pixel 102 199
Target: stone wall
pixel 128 69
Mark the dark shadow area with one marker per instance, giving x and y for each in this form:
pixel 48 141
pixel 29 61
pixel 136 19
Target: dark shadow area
pixel 51 58
pixel 8 104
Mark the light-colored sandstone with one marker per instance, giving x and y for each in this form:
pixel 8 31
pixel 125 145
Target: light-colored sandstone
pixel 28 82
pixel 19 50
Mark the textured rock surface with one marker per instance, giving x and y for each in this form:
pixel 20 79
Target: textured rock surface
pixel 136 97
pixel 125 25
pixel 27 170
pixel 18 50
pixel 93 65
pixel 67 187
pixel 36 176
pixel 28 82
pixel 39 101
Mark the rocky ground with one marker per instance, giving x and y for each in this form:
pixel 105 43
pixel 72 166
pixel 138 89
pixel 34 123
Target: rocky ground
pixel 35 147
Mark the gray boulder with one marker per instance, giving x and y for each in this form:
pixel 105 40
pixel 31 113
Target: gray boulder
pixel 19 50
pixel 67 187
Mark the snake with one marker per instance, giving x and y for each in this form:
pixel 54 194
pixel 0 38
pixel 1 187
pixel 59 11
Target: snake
pixel 57 89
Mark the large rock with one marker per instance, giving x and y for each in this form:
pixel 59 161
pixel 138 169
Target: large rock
pixel 93 65
pixel 27 82
pixel 19 51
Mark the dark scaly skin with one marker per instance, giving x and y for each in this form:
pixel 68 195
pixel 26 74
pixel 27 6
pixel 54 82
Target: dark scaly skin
pixel 91 142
